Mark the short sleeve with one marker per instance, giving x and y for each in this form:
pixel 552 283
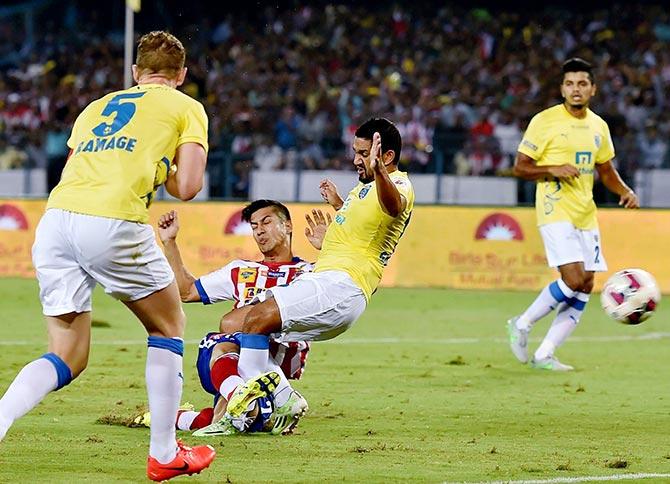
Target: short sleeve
pixel 194 126
pixel 71 143
pixel 404 186
pixel 217 286
pixel 606 149
pixel 534 140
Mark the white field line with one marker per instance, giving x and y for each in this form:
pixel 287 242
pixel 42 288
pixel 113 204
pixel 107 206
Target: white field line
pixel 357 341
pixel 556 480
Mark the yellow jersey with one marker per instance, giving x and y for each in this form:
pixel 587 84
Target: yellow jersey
pixel 362 238
pixel 122 147
pixel 555 137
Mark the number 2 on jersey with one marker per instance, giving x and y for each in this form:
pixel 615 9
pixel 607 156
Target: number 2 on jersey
pixel 123 112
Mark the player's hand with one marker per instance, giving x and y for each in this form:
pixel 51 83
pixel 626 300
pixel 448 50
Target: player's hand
pixel 317 227
pixel 564 172
pixel 629 200
pixel 329 194
pixel 375 160
pixel 168 226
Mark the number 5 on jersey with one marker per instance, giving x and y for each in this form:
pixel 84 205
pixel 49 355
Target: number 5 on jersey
pixel 123 112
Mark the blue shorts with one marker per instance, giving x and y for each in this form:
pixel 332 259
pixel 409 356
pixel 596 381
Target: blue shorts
pixel 205 349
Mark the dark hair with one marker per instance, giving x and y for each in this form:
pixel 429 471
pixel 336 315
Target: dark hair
pixel 577 64
pixel 387 130
pixel 279 208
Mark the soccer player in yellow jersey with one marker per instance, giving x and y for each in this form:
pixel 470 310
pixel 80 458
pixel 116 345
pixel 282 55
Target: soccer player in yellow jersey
pixel 357 245
pixel 123 147
pixel 561 148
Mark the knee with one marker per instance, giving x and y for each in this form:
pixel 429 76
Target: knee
pixel 253 322
pixel 578 280
pixel 574 281
pixel 587 286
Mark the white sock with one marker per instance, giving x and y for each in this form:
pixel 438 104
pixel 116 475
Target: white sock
pixel 283 391
pixel 164 385
pixel 563 325
pixel 254 355
pixel 230 384
pixel 553 294
pixel 34 382
pixel 185 419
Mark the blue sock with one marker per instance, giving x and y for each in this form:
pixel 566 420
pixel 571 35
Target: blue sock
pixel 553 294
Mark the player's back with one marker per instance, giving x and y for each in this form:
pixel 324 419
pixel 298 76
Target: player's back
pixel 122 146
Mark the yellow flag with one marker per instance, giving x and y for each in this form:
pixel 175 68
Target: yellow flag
pixel 134 4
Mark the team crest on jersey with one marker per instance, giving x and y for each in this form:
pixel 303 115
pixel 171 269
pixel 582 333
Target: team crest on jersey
pixel 364 191
pixel 598 139
pixel 247 275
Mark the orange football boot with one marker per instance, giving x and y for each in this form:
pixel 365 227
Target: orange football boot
pixel 189 460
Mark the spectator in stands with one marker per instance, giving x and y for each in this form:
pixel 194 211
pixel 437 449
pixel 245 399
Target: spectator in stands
pixel 11 157
pixel 279 62
pixel 267 155
pixel 653 150
pixel 56 151
pixel 508 134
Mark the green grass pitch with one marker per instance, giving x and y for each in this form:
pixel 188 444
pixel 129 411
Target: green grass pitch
pixel 422 389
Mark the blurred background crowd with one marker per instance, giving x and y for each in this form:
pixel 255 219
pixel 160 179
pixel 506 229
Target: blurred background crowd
pixel 286 87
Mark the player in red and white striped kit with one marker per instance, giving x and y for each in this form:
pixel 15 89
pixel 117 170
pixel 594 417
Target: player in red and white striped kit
pixel 241 281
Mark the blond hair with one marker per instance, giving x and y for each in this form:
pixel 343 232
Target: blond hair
pixel 160 52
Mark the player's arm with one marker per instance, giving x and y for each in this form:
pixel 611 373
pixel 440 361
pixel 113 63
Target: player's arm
pixel 390 199
pixel 168 228
pixel 525 167
pixel 612 180
pixel 329 194
pixel 190 161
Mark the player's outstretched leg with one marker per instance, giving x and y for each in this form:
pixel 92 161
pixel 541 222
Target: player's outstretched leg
pixel 261 386
pixel 34 382
pixel 189 460
pixel 565 322
pixel 551 296
pixel 69 344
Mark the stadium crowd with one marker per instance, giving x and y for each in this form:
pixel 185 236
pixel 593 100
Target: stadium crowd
pixel 287 87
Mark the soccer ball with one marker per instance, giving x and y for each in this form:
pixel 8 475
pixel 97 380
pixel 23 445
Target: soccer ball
pixel 630 296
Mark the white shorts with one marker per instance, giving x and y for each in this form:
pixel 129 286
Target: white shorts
pixel 318 306
pixel 564 243
pixel 73 251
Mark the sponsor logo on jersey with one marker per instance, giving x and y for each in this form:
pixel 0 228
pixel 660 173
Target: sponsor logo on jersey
pixel 499 226
pixel 276 274
pixel 364 191
pixel 247 274
pixel 12 218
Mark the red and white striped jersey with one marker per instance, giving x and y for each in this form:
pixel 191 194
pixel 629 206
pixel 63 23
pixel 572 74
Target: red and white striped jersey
pixel 242 280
